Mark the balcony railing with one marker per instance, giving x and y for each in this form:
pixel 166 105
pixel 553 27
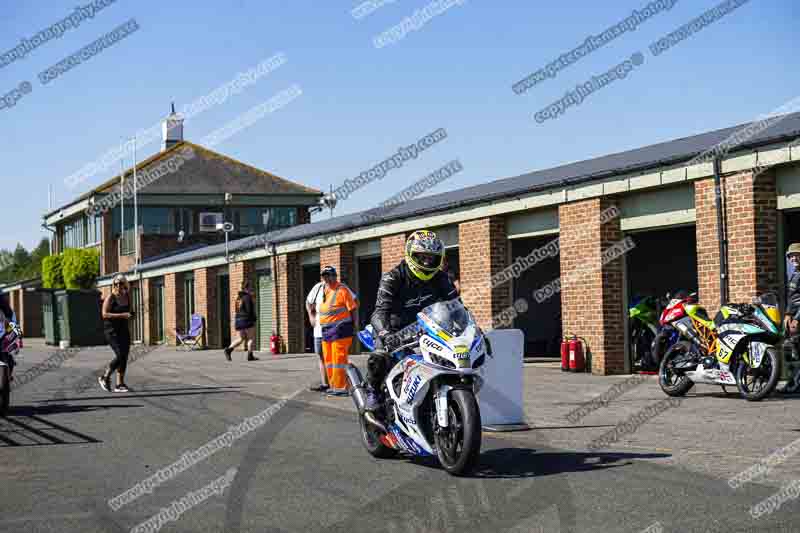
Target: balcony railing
pixel 127 242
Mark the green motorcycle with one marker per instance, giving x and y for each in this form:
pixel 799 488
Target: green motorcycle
pixel 643 314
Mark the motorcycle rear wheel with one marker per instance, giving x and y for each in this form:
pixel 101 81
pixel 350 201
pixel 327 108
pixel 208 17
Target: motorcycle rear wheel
pixel 370 437
pixel 5 390
pixel 767 376
pixel 670 381
pixel 458 446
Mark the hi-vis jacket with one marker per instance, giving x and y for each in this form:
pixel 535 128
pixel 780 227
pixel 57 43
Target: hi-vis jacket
pixel 335 312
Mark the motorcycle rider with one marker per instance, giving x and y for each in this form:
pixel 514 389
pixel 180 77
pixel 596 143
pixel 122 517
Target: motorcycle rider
pixel 9 316
pixel 415 283
pixel 792 314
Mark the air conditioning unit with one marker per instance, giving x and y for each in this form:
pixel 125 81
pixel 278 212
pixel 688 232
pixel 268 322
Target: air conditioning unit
pixel 209 221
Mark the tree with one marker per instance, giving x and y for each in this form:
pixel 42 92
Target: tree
pixel 52 276
pixel 21 264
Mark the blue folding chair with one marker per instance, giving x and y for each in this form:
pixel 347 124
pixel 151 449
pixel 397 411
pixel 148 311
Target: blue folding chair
pixel 191 339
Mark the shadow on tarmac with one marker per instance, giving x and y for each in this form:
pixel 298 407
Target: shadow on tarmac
pixel 134 394
pixel 24 428
pixel 520 463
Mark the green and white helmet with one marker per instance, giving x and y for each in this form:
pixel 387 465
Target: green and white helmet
pixel 424 254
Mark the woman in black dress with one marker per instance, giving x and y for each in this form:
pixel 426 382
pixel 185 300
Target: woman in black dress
pixel 244 322
pixel 116 313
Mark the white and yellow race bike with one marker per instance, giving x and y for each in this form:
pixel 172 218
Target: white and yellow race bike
pixel 431 407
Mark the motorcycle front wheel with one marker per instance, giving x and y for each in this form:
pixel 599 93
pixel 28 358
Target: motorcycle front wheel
pixel 458 446
pixel 756 384
pixel 5 390
pixel 674 382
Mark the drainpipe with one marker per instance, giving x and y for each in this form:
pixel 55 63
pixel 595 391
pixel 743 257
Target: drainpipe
pixel 722 232
pixel 53 240
pixel 273 251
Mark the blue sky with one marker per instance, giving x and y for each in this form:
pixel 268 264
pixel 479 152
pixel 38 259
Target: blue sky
pixel 360 103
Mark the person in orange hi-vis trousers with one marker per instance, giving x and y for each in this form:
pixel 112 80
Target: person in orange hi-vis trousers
pixel 337 317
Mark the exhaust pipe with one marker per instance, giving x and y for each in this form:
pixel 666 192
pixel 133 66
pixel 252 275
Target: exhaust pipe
pixel 357 391
pixel 359 395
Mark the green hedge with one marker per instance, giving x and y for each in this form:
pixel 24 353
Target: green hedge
pixel 73 269
pixel 80 268
pixel 52 276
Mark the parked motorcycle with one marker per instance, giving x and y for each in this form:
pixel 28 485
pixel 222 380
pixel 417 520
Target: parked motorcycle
pixel 10 346
pixel 431 406
pixel 668 334
pixel 742 350
pixel 643 330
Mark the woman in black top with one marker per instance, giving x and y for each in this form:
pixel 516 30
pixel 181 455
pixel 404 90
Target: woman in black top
pixel 116 313
pixel 244 322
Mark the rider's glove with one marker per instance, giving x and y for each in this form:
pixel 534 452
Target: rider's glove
pixel 389 341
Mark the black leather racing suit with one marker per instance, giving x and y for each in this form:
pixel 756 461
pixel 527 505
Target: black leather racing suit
pixel 401 295
pixel 9 314
pixel 793 296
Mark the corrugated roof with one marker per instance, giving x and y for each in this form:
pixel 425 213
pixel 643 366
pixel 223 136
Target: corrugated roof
pixel 210 173
pixel 639 159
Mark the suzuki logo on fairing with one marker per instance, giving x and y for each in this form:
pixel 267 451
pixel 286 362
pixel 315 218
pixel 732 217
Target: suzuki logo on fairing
pixel 411 388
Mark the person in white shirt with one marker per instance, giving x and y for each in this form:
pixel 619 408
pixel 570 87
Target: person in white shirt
pixel 313 300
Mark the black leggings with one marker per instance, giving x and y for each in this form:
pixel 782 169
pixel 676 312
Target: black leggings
pixel 121 344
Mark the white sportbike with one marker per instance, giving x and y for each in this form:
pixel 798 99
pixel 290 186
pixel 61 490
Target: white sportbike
pixel 430 403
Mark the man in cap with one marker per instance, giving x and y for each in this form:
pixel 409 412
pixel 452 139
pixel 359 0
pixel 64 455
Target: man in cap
pixel 337 315
pixel 792 314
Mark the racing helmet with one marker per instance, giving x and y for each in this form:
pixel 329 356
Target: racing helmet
pixel 424 254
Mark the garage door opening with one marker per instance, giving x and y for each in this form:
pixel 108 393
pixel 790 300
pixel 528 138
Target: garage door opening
pixel 310 278
pixel 452 263
pixel 791 234
pixel 663 261
pixel 369 277
pixel 541 323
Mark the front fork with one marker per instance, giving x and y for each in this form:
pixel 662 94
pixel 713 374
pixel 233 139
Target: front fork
pixel 441 397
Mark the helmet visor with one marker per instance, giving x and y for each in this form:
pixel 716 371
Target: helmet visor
pixel 427 260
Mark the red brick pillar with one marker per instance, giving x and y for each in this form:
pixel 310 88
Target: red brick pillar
pixel 174 318
pixel 590 283
pixel 342 258
pixel 239 272
pixel 149 307
pixel 484 253
pixel 392 251
pixel 20 308
pixel 752 216
pixel 289 303
pixel 108 247
pixel 205 304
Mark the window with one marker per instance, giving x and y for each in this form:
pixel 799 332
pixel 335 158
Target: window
pixel 82 231
pixel 188 297
pixel 157 220
pixel 253 220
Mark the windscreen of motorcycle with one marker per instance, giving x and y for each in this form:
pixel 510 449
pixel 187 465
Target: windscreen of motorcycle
pixel 450 318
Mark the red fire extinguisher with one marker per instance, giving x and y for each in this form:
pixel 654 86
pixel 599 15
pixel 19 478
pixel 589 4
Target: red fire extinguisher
pixel 275 344
pixel 565 354
pixel 576 361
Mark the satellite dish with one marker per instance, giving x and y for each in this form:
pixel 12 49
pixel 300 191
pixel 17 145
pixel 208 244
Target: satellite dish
pixel 329 201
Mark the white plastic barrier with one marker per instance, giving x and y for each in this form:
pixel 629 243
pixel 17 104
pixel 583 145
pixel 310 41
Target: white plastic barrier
pixel 500 399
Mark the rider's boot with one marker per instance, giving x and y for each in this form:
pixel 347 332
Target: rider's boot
pixel 373 402
pixel 793 385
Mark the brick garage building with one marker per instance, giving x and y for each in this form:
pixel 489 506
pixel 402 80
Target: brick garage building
pixel 662 199
pixel 27 304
